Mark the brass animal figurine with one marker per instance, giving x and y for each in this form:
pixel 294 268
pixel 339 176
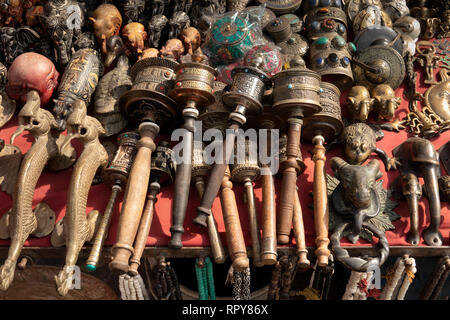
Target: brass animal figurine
pixel 359 103
pixel 78 228
pixel 134 36
pixel 385 102
pixel 40 123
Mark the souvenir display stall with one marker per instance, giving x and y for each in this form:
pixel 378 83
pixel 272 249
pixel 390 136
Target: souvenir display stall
pixel 203 150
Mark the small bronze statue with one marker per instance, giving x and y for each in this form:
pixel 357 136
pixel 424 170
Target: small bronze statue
pixel 77 228
pixel 358 207
pixel 79 81
pixel 106 21
pixel 418 158
pixel 385 102
pixel 156 28
pixel 428 59
pixel 359 103
pixel 177 23
pixel 63 20
pixel 111 87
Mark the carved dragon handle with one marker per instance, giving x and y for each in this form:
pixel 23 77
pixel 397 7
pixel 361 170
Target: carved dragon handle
pixel 77 227
pixel 23 221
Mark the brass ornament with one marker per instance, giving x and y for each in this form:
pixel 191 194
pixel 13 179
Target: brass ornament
pixel 428 59
pixel 371 16
pixel 328 21
pixel 385 102
pixel 378 64
pixel 428 18
pixel 437 97
pixel 359 103
pixel 280 7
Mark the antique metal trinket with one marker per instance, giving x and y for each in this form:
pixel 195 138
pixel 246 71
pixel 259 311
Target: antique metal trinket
pixel 321 127
pixel 378 36
pixel 79 81
pixel 331 59
pixel 353 7
pixel 192 90
pixel 428 18
pixel 359 209
pixel 385 102
pixel 77 228
pixel 359 103
pixel 146 104
pixel 418 158
pixel 371 16
pixel 437 97
pixel 295 95
pixel 327 21
pixel 428 59
pixel 378 64
pixel 116 176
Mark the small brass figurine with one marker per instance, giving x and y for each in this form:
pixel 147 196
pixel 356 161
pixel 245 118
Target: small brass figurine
pixel 385 102
pixel 106 21
pixel 77 228
pixel 418 158
pixel 359 103
pixel 428 59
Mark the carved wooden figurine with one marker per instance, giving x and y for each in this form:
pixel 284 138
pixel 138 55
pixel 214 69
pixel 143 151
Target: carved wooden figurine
pixel 77 228
pixel 115 176
pixel 148 106
pixel 106 21
pixel 296 95
pixel 162 173
pixel 134 36
pixel 156 26
pixel 322 127
pixel 192 90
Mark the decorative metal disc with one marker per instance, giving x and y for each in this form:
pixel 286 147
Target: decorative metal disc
pixel 295 45
pixel 281 6
pixel 372 35
pixel 387 60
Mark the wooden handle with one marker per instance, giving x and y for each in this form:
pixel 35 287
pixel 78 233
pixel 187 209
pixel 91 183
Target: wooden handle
pixel 217 250
pixel 235 237
pixel 320 202
pixel 134 198
pixel 144 229
pixel 215 178
pixel 102 231
pixel 254 224
pixel 289 182
pixel 299 233
pixel 269 230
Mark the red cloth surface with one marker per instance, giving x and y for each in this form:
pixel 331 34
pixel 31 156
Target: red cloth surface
pixel 52 189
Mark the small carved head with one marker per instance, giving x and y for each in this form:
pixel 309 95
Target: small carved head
pixel 149 53
pixel 106 21
pixel 359 142
pixel 134 36
pixel 172 49
pixel 385 101
pixel 359 103
pixel 191 38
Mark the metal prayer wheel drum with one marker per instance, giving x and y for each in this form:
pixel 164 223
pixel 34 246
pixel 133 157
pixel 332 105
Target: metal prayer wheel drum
pixel 328 122
pixel 279 29
pixel 216 114
pixel 152 79
pixel 194 82
pixel 325 22
pixel 296 92
pixel 245 166
pixel 120 166
pixel 163 167
pixel 247 89
pixel 283 158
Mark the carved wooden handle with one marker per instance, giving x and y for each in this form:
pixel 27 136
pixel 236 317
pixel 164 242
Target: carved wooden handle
pixel 134 198
pixel 144 229
pixel 269 230
pixel 299 233
pixel 217 250
pixel 215 178
pixel 320 202
pixel 235 238
pixel 254 224
pixel 289 182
